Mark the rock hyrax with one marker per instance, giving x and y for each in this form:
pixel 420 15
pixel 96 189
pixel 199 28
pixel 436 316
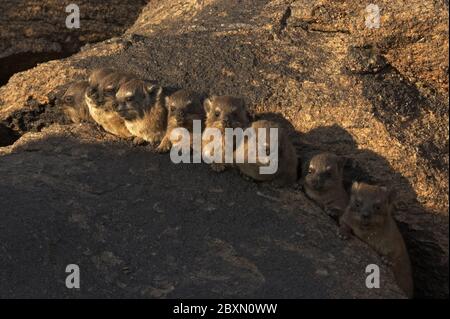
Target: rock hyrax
pixel 141 106
pixel 322 180
pixel 369 217
pixel 100 98
pixel 93 95
pixel 183 108
pixel 224 112
pixel 286 162
pixel 74 104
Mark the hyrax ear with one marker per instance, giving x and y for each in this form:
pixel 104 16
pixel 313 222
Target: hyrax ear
pixel 151 88
pixel 207 104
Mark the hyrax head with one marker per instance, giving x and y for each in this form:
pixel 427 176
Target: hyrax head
pixel 108 87
pixel 74 95
pixel 96 76
pixel 135 97
pixel 182 103
pixel 324 172
pixel 369 204
pixel 225 112
pixel 264 129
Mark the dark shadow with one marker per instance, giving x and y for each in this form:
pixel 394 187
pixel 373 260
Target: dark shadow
pixel 7 135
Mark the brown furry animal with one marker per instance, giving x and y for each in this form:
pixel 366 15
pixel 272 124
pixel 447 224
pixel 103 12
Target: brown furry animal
pixel 183 108
pixel 322 180
pixel 141 106
pixel 286 172
pixel 224 112
pixel 369 217
pixel 100 98
pixel 74 104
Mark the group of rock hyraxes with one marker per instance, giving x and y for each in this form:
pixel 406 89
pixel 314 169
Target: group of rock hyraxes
pixel 143 111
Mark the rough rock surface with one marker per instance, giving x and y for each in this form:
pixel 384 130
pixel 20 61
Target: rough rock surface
pixel 34 31
pixel 139 226
pixel 378 96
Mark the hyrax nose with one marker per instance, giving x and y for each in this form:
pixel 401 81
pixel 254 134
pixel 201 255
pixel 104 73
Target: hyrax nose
pixel 120 106
pixel 365 214
pixel 227 122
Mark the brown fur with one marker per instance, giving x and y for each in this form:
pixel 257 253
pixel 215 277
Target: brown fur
pixel 287 158
pixel 97 75
pixel 100 98
pixel 322 181
pixel 225 112
pixel 73 103
pixel 141 105
pixel 183 108
pixel 369 217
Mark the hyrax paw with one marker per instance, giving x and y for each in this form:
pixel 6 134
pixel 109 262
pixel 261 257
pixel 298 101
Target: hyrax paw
pixel 386 261
pixel 218 167
pixel 137 141
pixel 163 148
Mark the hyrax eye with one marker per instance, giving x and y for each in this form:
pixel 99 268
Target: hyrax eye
pixel 217 113
pixel 311 171
pixel 129 98
pixel 68 99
